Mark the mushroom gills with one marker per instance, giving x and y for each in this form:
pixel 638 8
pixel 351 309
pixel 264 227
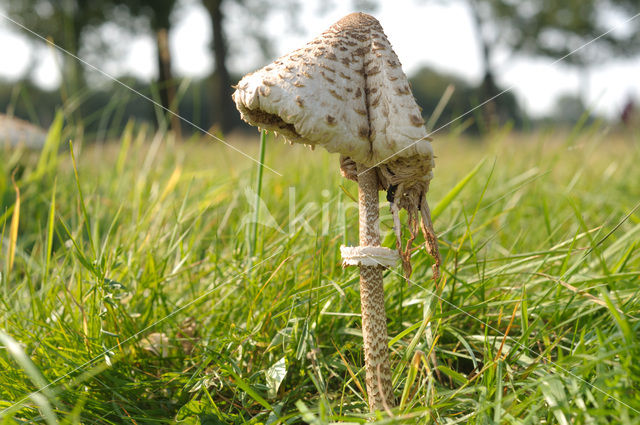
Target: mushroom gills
pixel 272 122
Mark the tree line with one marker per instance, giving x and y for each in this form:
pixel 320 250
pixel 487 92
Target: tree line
pixel 543 28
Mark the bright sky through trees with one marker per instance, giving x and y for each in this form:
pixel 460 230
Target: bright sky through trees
pixel 435 35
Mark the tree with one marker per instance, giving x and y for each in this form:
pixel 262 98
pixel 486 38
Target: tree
pixel 481 15
pixel 221 80
pixel 64 23
pixel 560 29
pixel 548 28
pixel 158 12
pixel 568 109
pixel 68 22
pixel 255 14
pixel 429 85
pixel 575 31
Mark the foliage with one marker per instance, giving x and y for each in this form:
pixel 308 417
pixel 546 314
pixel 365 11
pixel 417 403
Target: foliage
pixel 131 293
pixel 64 23
pixel 576 31
pixel 428 87
pixel 106 108
pixel 557 29
pixel 73 24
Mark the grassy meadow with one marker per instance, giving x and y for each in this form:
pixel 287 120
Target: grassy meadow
pixel 135 288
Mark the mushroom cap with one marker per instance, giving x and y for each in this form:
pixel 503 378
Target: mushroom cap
pixel 345 91
pixel 14 131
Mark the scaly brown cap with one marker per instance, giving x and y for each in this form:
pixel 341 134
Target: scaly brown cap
pixel 346 91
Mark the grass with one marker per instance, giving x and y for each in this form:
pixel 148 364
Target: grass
pixel 128 294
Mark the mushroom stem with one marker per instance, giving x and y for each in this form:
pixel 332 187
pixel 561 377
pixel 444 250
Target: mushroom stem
pixel 374 318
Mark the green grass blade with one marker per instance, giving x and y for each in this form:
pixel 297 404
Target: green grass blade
pixel 256 217
pixel 83 206
pixel 244 386
pixel 13 230
pixel 49 154
pixel 50 230
pixel 20 357
pixel 455 191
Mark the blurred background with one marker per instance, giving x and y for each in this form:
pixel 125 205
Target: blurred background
pixel 186 54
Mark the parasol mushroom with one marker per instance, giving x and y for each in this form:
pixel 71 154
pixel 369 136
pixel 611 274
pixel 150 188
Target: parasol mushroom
pixel 346 91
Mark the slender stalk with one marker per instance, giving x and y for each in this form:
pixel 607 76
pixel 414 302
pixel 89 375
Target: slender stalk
pixel 256 217
pixel 374 318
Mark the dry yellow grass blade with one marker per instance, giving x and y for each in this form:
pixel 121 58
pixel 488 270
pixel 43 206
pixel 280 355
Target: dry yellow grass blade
pixel 578 291
pixel 13 230
pixel 171 183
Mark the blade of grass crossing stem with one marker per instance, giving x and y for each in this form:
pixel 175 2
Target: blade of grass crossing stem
pixel 453 193
pixel 256 217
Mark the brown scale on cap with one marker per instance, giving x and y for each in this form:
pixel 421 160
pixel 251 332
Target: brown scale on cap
pixel 374 70
pixel 385 110
pixel 403 90
pixel 416 120
pixel 329 79
pixel 362 112
pixel 335 94
pixel 328 68
pixel 351 56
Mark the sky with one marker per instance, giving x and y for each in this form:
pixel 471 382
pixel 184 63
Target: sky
pixel 434 34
